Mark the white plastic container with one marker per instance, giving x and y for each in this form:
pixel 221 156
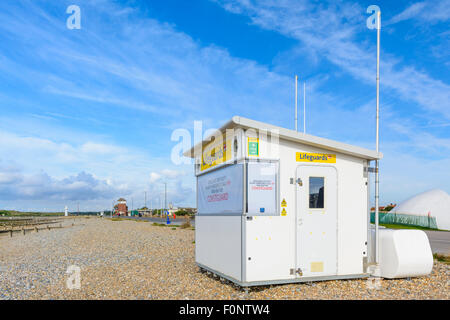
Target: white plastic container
pixel 404 253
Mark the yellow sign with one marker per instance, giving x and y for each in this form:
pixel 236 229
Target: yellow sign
pixel 283 212
pixel 216 152
pixel 284 203
pixel 317 266
pixel 315 157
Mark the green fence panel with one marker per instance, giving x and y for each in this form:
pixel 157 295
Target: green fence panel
pixel 405 219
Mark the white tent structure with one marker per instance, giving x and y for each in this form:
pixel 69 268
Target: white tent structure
pixel 433 205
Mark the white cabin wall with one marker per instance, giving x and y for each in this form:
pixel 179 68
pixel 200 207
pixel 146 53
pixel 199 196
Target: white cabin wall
pixel 277 256
pixel 352 214
pixel 218 244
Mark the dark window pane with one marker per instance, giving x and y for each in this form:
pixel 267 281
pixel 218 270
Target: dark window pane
pixel 316 192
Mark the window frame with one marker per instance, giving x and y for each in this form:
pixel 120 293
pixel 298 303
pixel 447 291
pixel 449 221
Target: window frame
pixel 309 193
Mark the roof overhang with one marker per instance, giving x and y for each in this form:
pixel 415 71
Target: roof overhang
pixel 291 135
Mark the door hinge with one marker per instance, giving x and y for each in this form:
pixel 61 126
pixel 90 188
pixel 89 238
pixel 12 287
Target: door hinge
pixel 299 182
pixel 293 271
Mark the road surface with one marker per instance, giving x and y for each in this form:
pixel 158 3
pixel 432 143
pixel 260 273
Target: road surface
pixel 439 241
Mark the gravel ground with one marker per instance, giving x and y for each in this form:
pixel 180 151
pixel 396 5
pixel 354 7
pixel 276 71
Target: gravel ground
pixel 135 260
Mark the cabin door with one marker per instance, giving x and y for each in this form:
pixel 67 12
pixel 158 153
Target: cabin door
pixel 316 219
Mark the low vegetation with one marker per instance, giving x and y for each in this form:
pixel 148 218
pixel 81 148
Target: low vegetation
pixel 442 258
pixel 156 224
pixel 13 213
pixel 403 226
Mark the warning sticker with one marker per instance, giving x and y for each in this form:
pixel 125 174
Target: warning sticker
pixel 283 203
pixel 283 212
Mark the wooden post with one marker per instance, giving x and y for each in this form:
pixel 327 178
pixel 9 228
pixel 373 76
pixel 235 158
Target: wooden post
pixel 10 233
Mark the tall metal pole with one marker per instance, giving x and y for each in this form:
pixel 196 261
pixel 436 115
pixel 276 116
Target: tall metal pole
pixel 304 107
pixel 165 196
pixel 377 181
pixel 296 100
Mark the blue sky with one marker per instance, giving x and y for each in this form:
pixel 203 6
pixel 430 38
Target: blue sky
pixel 87 115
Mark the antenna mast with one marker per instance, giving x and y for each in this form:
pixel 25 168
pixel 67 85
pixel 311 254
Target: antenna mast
pixel 304 107
pixel 377 180
pixel 296 100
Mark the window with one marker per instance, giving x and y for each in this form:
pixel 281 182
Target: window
pixel 316 192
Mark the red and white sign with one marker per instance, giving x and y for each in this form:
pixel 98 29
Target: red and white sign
pixel 220 192
pixel 262 196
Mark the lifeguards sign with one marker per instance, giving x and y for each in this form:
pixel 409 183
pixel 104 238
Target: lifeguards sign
pixel 315 157
pixel 216 152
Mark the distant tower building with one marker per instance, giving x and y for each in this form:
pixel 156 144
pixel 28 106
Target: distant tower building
pixel 122 208
pixel 66 213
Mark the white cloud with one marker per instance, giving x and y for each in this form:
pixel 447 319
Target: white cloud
pixel 101 148
pixel 154 177
pixel 429 12
pixel 166 174
pixel 172 174
pixel 169 74
pixel 82 186
pixel 330 30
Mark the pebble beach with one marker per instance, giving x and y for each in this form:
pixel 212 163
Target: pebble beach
pixel 126 259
